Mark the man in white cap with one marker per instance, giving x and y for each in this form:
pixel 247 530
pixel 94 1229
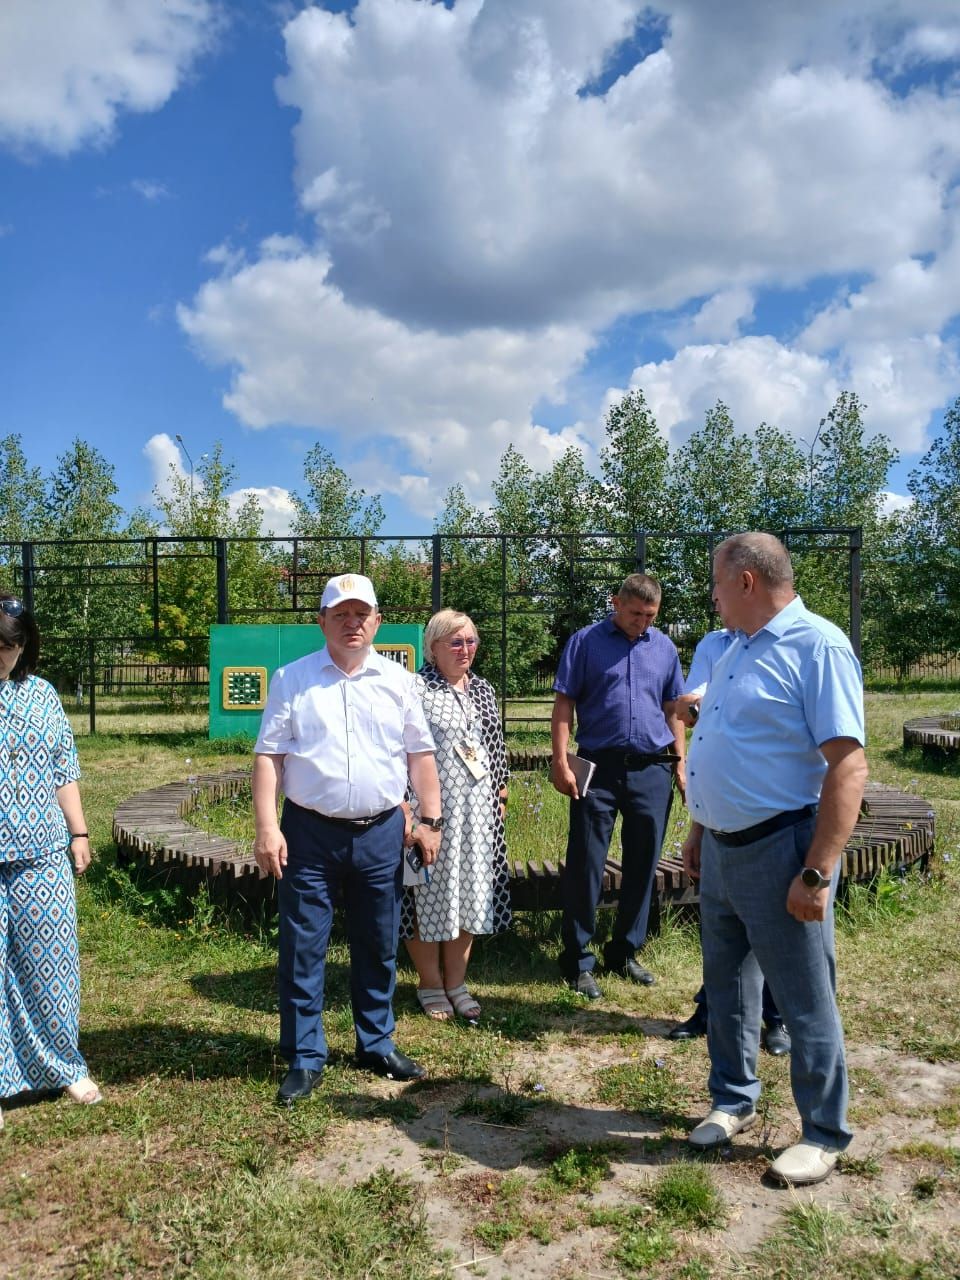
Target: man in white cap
pixel 341 732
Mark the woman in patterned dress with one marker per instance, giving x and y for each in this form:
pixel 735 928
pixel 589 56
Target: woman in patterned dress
pixel 41 822
pixel 469 890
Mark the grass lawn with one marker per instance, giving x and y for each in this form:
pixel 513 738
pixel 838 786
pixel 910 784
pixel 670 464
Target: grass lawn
pixel 546 1142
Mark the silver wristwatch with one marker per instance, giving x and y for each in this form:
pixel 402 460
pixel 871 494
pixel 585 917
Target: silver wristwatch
pixel 814 879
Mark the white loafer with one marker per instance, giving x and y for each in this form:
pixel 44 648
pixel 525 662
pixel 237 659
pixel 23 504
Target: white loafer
pixel 718 1128
pixel 805 1163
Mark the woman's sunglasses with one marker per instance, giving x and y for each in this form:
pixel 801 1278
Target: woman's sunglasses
pixel 12 607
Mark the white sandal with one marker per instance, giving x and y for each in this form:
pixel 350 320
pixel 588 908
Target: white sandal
pixel 464 1003
pixel 84 1091
pixel 434 1003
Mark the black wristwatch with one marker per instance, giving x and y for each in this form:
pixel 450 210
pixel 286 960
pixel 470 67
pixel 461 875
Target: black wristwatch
pixel 435 824
pixel 814 879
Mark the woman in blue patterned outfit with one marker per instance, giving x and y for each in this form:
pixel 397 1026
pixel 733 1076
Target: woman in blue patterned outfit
pixel 41 823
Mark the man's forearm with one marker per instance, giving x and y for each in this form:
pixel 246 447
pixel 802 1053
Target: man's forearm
pixel 265 786
pixel 561 726
pixel 422 768
pixel 839 808
pixel 677 728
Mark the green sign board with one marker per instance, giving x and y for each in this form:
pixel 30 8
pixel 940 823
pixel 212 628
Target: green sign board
pixel 242 660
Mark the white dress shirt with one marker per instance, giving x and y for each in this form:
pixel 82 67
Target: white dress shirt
pixel 344 739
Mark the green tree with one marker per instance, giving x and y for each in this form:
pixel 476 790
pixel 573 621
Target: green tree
pixel 22 503
pixel 337 514
pixel 403 578
pixel 711 484
pixel 931 547
pixel 89 582
pixel 847 482
pixel 848 473
pixel 779 492
pixel 197 511
pixel 492 578
pixel 632 492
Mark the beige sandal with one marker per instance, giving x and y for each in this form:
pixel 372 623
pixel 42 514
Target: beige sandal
pixel 464 1003
pixel 84 1091
pixel 434 1003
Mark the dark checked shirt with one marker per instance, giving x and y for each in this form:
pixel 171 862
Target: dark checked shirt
pixel 619 687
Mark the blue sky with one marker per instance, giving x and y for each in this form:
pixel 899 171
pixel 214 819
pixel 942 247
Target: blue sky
pixel 419 232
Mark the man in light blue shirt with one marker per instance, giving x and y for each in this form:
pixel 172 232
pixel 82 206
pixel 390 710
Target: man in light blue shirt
pixel 776 1038
pixel 776 777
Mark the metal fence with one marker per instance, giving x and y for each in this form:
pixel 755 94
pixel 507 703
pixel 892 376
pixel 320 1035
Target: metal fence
pixel 128 618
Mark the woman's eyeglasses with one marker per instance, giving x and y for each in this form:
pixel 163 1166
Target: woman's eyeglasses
pixel 460 644
pixel 12 607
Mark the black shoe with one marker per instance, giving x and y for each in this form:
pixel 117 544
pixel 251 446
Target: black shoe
pixel 394 1065
pixel 299 1082
pixel 633 970
pixel 695 1025
pixel 776 1039
pixel 585 984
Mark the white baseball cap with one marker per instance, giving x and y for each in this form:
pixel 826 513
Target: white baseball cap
pixel 348 586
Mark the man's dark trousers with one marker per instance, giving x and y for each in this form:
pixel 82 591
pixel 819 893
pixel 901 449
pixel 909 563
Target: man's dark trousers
pixel 330 865
pixel 642 793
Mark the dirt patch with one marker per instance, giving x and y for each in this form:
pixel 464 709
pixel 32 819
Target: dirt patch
pixel 460 1160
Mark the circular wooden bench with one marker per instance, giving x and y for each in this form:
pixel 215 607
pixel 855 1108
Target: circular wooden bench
pixel 153 829
pixel 937 735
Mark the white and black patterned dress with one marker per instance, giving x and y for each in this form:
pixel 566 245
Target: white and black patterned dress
pixel 469 885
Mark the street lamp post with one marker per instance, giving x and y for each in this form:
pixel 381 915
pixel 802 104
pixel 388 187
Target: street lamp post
pixel 179 439
pixel 812 447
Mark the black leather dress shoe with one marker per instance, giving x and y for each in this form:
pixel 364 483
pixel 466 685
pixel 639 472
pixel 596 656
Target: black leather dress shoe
pixel 394 1065
pixel 695 1025
pixel 776 1039
pixel 635 971
pixel 585 984
pixel 299 1082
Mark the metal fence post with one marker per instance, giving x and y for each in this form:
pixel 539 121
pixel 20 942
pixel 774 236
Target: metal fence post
pixel 220 550
pixel 856 545
pixel 640 553
pixel 436 589
pixel 92 671
pixel 26 569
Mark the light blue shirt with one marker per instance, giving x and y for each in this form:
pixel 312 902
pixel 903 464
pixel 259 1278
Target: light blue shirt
pixel 705 657
pixel 774 697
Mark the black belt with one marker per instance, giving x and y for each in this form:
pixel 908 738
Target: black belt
pixel 779 821
pixel 622 758
pixel 351 824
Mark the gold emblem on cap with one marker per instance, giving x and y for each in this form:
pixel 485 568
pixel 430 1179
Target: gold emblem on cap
pixel 346 583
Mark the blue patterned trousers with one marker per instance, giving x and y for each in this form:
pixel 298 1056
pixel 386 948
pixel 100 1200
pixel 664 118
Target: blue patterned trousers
pixel 40 968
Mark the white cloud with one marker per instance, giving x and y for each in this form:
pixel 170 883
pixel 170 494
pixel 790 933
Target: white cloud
pixel 719 319
pixel 484 214
pixel 162 453
pixel 275 503
pixel 763 380
pixel 759 379
pixel 149 189
pixel 68 69
pixel 304 355
pixel 892 502
pixel 451 149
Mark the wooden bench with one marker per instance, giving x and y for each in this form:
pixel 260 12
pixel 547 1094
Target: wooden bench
pixel 935 735
pixel 153 829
